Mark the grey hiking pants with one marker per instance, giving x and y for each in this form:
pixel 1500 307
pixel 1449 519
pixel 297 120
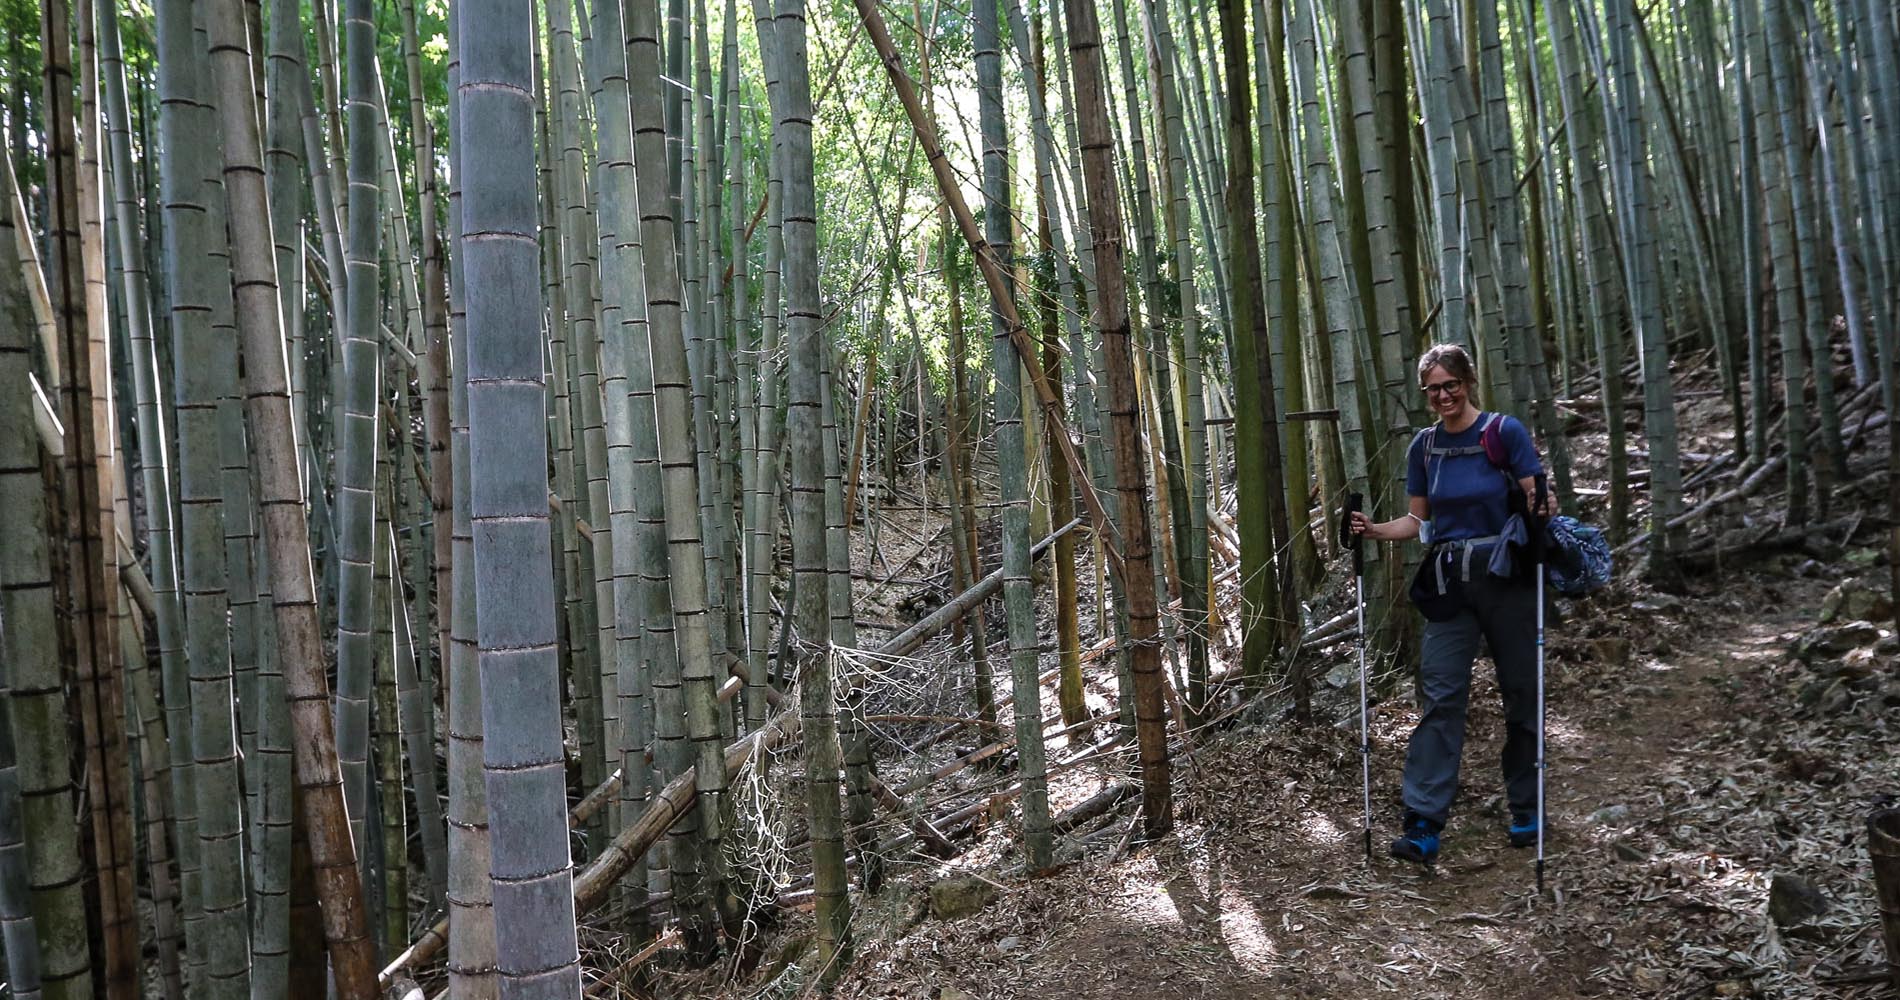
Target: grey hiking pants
pixel 1504 615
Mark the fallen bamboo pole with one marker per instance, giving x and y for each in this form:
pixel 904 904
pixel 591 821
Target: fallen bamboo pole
pixel 607 984
pixel 908 640
pixel 919 823
pixel 1761 475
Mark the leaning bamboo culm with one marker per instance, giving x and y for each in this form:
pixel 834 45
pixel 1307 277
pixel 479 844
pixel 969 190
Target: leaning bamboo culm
pixel 267 405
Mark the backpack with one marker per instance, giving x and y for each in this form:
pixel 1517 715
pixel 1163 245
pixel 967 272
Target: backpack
pixel 1578 558
pixel 1437 587
pixel 1491 446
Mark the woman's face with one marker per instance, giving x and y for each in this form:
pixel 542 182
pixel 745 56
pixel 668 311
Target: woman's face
pixel 1445 394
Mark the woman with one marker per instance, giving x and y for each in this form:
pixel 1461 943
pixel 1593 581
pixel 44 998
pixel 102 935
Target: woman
pixel 1462 497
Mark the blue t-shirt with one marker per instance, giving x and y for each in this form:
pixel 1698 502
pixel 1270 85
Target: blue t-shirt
pixel 1468 496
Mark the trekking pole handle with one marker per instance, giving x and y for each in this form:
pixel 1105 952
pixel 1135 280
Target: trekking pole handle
pixel 1538 519
pixel 1355 502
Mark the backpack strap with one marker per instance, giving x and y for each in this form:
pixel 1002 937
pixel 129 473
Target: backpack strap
pixel 1432 450
pixel 1431 443
pixel 1487 421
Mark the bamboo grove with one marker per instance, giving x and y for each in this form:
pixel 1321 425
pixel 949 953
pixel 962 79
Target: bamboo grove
pixel 435 438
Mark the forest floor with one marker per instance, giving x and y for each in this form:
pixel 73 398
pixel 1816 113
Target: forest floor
pixel 1692 761
pixel 1714 752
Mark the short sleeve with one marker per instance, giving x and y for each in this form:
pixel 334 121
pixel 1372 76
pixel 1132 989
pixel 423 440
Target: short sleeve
pixel 1521 449
pixel 1415 483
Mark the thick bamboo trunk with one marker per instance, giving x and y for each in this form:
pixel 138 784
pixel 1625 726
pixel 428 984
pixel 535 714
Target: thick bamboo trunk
pixel 287 94
pixel 693 618
pixel 19 939
pixel 214 887
pixel 267 405
pixel 1018 601
pixel 811 611
pixel 524 762
pixel 75 279
pixel 29 646
pixel 1111 317
pixel 357 442
pixel 472 970
pixel 193 295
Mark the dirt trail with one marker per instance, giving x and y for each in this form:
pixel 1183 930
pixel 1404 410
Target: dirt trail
pixel 1691 759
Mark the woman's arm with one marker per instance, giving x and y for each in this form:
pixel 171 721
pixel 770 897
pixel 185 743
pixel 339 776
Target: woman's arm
pixel 1397 530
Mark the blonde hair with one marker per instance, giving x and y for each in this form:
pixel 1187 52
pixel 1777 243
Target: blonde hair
pixel 1453 359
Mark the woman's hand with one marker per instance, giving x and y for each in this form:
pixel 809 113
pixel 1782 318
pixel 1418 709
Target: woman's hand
pixel 1548 508
pixel 1362 525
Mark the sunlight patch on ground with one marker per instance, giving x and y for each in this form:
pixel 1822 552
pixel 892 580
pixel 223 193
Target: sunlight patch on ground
pixel 1319 826
pixel 1507 939
pixel 1558 729
pixel 1245 935
pixel 1147 903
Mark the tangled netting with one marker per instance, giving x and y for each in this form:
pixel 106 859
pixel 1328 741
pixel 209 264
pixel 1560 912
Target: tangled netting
pixel 764 837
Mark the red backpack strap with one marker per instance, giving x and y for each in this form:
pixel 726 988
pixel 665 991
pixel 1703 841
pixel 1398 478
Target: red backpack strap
pixel 1490 439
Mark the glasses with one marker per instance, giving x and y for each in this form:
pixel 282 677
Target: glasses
pixel 1447 388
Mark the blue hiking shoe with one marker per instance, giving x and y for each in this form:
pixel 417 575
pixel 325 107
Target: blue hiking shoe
pixel 1523 830
pixel 1420 843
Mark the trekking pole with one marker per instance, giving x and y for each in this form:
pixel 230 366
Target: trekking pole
pixel 1536 532
pixel 1354 502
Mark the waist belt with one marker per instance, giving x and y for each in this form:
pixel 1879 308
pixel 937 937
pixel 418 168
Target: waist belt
pixel 1464 547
